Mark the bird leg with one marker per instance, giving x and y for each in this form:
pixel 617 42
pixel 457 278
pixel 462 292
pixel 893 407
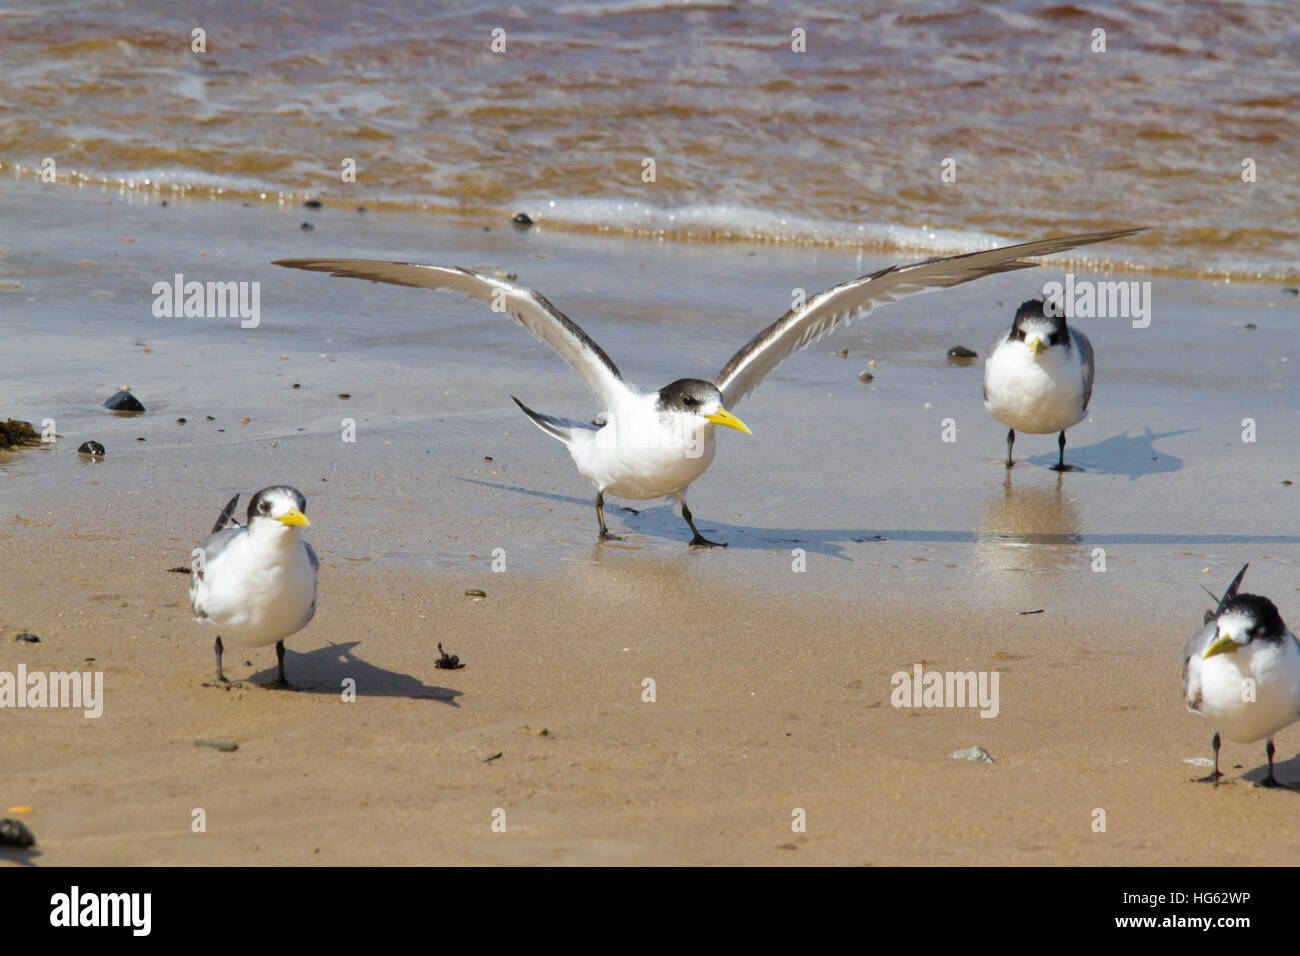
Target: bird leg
pixel 1270 780
pixel 1214 777
pixel 279 658
pixel 600 516
pixel 1060 461
pixel 1011 440
pixel 699 541
pixel 220 676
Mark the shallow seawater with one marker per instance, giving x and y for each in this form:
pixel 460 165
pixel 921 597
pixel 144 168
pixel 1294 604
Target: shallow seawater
pixel 842 144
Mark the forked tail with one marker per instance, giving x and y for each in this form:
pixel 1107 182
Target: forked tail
pixel 561 428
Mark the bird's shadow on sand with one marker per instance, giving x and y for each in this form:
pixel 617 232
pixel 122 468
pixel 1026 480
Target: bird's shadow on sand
pixel 21 856
pixel 664 522
pixel 1120 454
pixel 1287 773
pixel 324 670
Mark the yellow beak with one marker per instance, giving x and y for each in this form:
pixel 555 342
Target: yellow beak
pixel 1036 343
pixel 1224 645
pixel 724 417
pixel 295 518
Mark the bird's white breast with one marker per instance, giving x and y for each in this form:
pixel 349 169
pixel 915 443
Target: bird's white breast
pixel 1037 395
pixel 1224 696
pixel 642 454
pixel 258 592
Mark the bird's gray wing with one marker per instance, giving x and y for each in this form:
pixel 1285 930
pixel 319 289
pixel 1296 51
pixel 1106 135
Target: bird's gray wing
pixel 542 320
pixel 800 327
pixel 1085 359
pixel 1195 649
pixel 227 519
pixel 211 547
pixel 311 556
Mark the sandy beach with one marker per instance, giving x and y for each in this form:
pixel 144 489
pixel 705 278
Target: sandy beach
pixel 861 544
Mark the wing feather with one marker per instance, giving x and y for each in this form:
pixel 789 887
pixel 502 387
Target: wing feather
pixel 799 328
pixel 542 320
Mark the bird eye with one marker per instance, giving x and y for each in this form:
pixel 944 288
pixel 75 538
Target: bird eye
pixel 691 401
pixel 264 507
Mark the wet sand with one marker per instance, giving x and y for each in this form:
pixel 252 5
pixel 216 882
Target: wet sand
pixel 772 685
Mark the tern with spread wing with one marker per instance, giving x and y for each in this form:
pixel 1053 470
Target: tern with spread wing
pixel 646 445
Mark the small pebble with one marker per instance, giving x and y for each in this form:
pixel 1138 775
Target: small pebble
pixel 359 209
pixel 180 421
pixel 522 219
pixel 313 204
pixel 141 439
pixel 489 458
pixel 974 753
pixel 865 377
pixel 1286 483
pixel 1251 325
pixel 307 227
pixel 245 420
pixel 211 419
pixel 296 385
pixel 222 745
pixel 475 593
pixel 123 401
pixel 28 638
pixel 871 364
pixel 1291 291
pixel 15 833
pixel 843 353
pixel 92 448
pixel 960 352
pixel 344 395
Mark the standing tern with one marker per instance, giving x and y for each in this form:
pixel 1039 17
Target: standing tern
pixel 646 445
pixel 1241 672
pixel 257 584
pixel 1038 377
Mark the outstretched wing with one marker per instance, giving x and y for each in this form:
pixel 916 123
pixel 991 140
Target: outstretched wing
pixel 800 327
pixel 542 320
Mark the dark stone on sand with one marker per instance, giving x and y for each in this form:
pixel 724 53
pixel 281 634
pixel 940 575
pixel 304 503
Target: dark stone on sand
pixel 447 662
pixel 522 219
pixel 960 352
pixel 26 638
pixel 15 833
pixel 180 421
pixel 296 385
pixel 1251 326
pixel 15 433
pixel 866 377
pixel 313 204
pixel 123 401
pixel 163 204
pixel 1290 291
pixel 222 745
pixel 344 395
pixel 306 227
pixel 361 209
pixel 91 448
